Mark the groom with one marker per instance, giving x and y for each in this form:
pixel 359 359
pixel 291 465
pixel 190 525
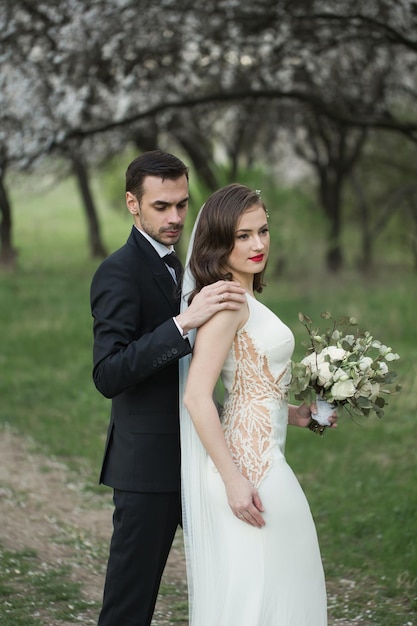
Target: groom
pixel 139 337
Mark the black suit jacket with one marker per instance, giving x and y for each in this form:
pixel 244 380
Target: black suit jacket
pixel 136 351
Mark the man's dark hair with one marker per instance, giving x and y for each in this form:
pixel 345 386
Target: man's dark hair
pixel 154 163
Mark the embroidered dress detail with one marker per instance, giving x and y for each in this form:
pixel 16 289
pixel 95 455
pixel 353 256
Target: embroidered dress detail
pixel 246 417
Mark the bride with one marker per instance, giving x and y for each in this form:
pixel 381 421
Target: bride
pixel 251 546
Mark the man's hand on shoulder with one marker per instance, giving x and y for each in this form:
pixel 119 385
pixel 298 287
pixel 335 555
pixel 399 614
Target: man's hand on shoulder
pixel 223 295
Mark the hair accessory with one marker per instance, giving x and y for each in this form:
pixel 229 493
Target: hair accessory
pixel 258 192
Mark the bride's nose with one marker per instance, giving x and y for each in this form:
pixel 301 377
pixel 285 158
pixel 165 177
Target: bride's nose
pixel 258 244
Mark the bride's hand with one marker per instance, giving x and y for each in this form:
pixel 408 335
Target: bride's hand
pixel 245 502
pixel 301 415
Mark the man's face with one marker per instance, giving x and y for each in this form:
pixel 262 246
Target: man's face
pixel 162 209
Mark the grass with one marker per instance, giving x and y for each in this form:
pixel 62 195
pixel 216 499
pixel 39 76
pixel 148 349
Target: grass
pixel 29 590
pixel 360 479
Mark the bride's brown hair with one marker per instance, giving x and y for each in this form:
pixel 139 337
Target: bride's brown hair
pixel 215 235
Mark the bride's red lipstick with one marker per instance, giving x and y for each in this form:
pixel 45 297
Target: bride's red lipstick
pixel 257 258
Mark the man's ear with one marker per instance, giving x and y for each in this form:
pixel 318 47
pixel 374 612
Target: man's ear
pixel 132 203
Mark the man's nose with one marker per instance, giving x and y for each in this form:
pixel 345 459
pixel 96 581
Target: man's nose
pixel 174 216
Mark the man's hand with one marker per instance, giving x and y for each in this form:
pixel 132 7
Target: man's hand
pixel 210 300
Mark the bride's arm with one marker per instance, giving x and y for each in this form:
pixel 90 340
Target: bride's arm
pixel 212 345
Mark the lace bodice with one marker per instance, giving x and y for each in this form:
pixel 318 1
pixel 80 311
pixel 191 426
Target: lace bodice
pixel 256 376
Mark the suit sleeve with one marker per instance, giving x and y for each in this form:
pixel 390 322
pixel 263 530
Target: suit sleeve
pixel 128 350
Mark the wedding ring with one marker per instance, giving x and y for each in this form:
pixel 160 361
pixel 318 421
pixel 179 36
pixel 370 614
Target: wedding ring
pixel 222 296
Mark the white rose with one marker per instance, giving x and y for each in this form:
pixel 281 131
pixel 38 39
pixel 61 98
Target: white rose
pixel 315 360
pixel 370 390
pixel 383 368
pixel 343 389
pixel 335 353
pixel 312 361
pixel 324 374
pixel 365 363
pixel 376 387
pixel 339 374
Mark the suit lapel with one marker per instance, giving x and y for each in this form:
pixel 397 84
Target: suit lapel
pixel 157 268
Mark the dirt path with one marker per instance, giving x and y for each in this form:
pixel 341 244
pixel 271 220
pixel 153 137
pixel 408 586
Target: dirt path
pixel 44 509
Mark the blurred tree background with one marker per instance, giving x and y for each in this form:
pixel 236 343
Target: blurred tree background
pixel 316 96
pixel 311 101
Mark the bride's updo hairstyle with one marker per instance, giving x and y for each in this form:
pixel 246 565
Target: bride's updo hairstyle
pixel 215 235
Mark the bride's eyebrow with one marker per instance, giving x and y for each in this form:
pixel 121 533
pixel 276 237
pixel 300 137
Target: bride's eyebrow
pixel 248 230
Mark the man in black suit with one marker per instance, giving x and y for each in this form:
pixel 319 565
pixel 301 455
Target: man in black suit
pixel 139 336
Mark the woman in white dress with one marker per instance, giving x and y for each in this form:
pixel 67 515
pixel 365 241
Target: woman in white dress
pixel 252 552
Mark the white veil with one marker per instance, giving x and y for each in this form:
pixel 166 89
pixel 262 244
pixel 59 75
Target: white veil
pixel 203 571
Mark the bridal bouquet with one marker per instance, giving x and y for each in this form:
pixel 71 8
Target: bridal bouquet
pixel 342 369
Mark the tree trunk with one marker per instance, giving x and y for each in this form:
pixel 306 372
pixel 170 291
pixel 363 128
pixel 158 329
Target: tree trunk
pixel 365 261
pixel 97 248
pixel 199 160
pixel 198 148
pixel 8 254
pixel 331 200
pixel 333 150
pixel 412 209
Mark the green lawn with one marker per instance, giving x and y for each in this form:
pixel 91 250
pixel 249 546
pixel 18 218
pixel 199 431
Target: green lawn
pixel 360 479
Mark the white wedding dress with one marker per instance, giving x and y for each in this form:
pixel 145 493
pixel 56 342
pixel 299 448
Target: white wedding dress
pixel 240 575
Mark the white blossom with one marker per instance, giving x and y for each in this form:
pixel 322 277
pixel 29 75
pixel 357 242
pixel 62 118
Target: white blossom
pixel 365 363
pixel 343 389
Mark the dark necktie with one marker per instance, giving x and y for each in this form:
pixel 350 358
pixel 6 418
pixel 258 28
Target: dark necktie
pixel 172 260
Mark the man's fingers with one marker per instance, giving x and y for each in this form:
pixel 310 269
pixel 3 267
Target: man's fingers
pixel 227 298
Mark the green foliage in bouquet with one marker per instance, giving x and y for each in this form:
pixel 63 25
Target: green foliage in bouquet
pixel 344 366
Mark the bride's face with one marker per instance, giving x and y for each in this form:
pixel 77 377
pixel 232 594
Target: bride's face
pixel 251 249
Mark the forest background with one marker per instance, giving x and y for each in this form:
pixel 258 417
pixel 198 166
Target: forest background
pixel 312 102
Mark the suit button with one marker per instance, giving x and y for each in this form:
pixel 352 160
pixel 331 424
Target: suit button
pixel 154 363
pixel 169 353
pixel 159 360
pixel 174 351
pixel 164 357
